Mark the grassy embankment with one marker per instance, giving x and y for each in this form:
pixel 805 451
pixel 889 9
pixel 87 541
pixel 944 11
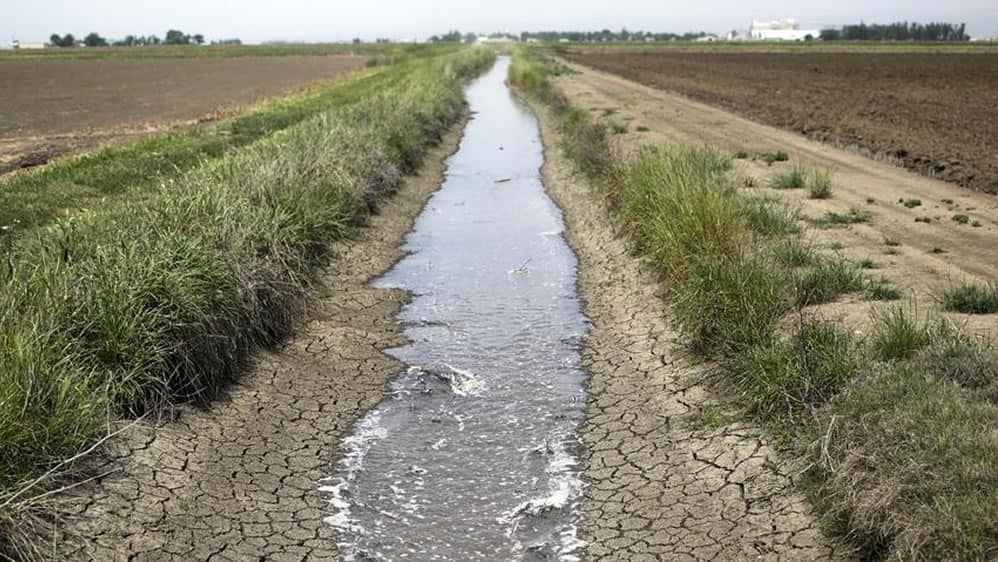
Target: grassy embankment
pixel 898 428
pixel 157 296
pixel 68 185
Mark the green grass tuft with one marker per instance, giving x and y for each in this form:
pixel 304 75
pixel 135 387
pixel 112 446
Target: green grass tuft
pixel 771 157
pixel 786 379
pixel 854 216
pixel 792 178
pixel 882 289
pixel 898 332
pixel 971 297
pixel 819 184
pixel 828 279
pixel 793 253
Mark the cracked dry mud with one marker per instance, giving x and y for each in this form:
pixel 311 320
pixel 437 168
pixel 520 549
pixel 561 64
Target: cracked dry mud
pixel 237 481
pixel 658 490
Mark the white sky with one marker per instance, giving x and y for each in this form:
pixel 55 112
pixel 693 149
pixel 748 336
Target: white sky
pixel 330 20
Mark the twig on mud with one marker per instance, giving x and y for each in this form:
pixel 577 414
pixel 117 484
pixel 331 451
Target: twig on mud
pixel 10 501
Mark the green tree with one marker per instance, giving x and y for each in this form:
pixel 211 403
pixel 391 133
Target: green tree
pixel 94 40
pixel 66 40
pixel 176 37
pixel 198 38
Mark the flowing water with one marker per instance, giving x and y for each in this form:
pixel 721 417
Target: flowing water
pixel 472 457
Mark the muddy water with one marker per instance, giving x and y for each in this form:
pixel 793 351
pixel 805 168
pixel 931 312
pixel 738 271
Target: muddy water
pixel 472 457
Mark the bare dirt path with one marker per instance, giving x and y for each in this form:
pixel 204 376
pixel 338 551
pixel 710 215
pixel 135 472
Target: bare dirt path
pixel 659 489
pixel 238 481
pixel 924 258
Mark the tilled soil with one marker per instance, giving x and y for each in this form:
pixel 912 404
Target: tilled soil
pixel 53 107
pixel 658 488
pixel 935 113
pixel 924 258
pixel 238 480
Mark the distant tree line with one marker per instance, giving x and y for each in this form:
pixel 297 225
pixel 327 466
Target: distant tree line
pixel 453 36
pixel 173 37
pixel 607 35
pixel 900 31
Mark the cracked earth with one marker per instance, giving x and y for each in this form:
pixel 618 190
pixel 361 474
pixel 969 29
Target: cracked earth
pixel 237 481
pixel 657 488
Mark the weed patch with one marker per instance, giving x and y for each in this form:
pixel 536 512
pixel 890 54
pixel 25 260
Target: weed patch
pixel 971 297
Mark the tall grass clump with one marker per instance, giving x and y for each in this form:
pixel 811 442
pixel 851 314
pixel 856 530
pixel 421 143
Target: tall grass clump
pixel 768 217
pixel 971 297
pixel 158 299
pixel 819 184
pixel 786 379
pixel 826 280
pixel 794 177
pixel 899 332
pixel 909 465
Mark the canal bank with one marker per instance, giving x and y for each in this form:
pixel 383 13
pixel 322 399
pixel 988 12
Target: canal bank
pixel 659 485
pixel 237 481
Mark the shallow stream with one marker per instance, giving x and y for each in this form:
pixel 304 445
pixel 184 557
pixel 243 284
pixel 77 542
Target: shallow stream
pixel 473 456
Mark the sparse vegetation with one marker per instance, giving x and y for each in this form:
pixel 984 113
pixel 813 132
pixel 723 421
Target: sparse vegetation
pixel 819 184
pixel 793 178
pixel 882 289
pixel 961 219
pixel 911 203
pixel 854 216
pixel 617 127
pixel 642 129
pixel 772 157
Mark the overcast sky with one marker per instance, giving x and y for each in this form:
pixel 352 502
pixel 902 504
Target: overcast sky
pixel 331 20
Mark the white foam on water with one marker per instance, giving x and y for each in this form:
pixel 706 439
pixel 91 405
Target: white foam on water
pixel 565 488
pixel 354 447
pixel 464 382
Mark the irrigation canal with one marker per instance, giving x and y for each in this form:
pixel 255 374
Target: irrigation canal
pixel 473 455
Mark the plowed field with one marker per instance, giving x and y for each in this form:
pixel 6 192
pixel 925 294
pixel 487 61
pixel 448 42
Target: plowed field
pixel 935 113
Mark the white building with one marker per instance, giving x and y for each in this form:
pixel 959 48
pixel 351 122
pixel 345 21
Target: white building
pixel 18 45
pixel 781 30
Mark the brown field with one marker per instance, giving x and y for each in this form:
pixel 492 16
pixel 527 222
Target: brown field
pixel 930 112
pixel 53 107
pixel 924 258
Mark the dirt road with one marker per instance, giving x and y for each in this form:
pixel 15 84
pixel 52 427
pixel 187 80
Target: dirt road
pixel 237 481
pixel 52 107
pixel 923 258
pixel 933 112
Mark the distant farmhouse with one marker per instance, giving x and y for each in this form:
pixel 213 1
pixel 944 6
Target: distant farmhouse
pixel 779 30
pixel 18 45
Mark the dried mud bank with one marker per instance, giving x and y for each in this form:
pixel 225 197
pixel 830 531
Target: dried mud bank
pixel 658 489
pixel 238 481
